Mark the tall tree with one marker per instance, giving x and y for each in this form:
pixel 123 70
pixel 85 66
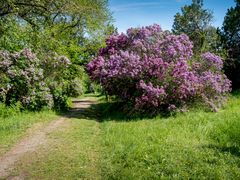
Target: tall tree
pixel 195 22
pixel 230 35
pixel 73 11
pixel 55 25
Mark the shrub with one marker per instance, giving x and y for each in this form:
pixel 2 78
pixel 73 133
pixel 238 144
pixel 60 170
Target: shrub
pixel 56 70
pixel 154 70
pixel 75 88
pixel 26 79
pixel 60 100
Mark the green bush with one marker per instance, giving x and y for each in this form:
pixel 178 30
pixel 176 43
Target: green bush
pixel 60 100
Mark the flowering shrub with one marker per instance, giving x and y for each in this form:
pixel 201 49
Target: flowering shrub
pixel 154 70
pixel 58 71
pixel 75 88
pixel 24 80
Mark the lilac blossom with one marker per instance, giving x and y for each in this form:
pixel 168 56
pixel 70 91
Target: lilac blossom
pixel 152 69
pixel 22 76
pixel 211 60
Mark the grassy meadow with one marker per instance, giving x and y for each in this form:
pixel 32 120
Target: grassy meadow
pixel 193 145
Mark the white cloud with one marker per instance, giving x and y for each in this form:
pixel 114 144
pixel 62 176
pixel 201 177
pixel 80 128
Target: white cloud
pixel 137 6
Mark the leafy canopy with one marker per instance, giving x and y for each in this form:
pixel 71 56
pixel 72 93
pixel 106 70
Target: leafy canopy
pixel 230 35
pixel 73 29
pixel 194 21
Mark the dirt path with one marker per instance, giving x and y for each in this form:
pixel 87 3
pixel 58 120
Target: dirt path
pixel 37 137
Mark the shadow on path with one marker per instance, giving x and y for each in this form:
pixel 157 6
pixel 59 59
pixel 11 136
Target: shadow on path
pixel 89 108
pixel 83 109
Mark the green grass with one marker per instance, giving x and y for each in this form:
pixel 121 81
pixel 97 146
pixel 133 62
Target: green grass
pixel 72 153
pixel 13 125
pixel 194 145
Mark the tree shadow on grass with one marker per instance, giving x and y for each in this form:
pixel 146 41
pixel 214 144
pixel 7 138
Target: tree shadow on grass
pixel 104 111
pixel 235 151
pixel 113 111
pixel 119 112
pixel 236 93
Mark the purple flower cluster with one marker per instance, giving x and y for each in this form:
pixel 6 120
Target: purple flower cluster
pixel 212 61
pixel 154 69
pixel 151 96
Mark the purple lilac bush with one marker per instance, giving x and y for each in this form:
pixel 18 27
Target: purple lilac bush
pixel 154 70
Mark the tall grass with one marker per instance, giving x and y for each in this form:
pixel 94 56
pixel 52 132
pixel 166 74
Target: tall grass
pixel 9 111
pixel 195 145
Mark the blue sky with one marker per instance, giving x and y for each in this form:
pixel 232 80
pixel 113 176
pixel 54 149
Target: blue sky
pixel 135 13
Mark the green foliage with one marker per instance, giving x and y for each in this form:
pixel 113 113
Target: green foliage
pixel 195 22
pixel 75 29
pixel 70 27
pixel 74 13
pixel 23 80
pixel 231 42
pixel 60 100
pixel 13 37
pixel 75 88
